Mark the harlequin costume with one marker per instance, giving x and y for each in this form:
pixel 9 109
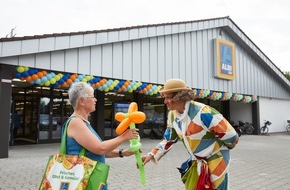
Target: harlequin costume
pixel 207 136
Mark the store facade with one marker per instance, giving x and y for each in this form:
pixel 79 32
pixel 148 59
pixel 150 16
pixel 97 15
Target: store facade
pixel 224 67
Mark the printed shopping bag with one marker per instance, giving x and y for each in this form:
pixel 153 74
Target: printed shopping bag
pixel 67 172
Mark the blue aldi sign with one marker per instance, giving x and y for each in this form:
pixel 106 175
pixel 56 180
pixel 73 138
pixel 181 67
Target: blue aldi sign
pixel 224 59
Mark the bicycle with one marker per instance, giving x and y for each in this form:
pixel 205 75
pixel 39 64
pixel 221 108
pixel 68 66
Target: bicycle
pixel 288 126
pixel 246 127
pixel 264 129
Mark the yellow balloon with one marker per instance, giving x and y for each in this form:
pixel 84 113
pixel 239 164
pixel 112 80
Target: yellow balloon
pixel 20 69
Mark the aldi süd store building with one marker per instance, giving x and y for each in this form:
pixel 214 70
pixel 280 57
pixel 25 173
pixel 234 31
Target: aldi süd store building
pixel 214 56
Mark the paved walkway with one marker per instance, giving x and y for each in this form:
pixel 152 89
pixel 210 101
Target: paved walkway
pixel 258 163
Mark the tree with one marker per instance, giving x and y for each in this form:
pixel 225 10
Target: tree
pixel 287 74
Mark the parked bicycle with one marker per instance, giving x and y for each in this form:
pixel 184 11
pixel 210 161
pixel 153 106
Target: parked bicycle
pixel 264 129
pixel 236 127
pixel 288 126
pixel 246 127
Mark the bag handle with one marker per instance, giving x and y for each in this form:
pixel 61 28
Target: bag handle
pixel 63 140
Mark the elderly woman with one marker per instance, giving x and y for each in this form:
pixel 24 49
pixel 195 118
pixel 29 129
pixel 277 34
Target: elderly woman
pixel 205 133
pixel 81 134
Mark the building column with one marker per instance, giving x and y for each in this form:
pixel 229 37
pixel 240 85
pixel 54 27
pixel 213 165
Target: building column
pixel 256 117
pixel 6 75
pixel 97 117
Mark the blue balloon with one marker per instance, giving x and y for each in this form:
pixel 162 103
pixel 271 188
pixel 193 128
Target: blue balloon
pixel 25 74
pixel 18 75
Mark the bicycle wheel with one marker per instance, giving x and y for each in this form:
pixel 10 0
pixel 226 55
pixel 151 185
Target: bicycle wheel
pixel 264 130
pixel 288 127
pixel 249 129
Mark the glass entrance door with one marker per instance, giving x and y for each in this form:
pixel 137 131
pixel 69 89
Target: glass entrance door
pixel 24 119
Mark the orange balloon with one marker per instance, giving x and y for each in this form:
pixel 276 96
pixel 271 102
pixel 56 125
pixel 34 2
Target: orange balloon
pixel 28 79
pixel 44 73
pixel 137 117
pixel 120 116
pixel 133 107
pixel 123 126
pixel 73 77
pixel 64 84
pixel 123 88
pixel 102 82
pixel 148 87
pixel 34 77
pixel 97 85
pixel 69 81
pixel 40 74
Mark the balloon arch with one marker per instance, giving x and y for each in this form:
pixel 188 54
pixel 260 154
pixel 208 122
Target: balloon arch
pixel 60 80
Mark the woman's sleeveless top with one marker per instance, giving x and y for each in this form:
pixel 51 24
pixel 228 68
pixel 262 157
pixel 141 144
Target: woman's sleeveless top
pixel 74 148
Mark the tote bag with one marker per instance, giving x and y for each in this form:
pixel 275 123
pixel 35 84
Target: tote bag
pixel 70 172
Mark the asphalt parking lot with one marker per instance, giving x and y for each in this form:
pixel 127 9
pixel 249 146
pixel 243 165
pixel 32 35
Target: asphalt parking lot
pixel 258 163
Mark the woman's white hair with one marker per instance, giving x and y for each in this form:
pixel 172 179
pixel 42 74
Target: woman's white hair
pixel 78 90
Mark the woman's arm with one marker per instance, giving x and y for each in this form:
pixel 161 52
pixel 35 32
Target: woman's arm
pixel 78 130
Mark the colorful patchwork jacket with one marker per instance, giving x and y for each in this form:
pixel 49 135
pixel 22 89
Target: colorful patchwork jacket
pixel 209 136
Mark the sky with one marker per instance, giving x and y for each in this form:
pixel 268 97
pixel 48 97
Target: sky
pixel 265 22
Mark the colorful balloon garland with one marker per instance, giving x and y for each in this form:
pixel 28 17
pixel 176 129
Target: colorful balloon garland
pixel 223 96
pixel 60 80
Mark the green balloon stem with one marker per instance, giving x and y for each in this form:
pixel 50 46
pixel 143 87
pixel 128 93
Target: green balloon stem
pixel 133 143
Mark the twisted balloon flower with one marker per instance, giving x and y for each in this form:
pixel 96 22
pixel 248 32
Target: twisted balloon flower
pixel 129 119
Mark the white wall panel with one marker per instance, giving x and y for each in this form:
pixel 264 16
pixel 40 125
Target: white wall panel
pixel 153 51
pixel 188 59
pixel 71 61
pixel 268 106
pixel 175 57
pixel 30 46
pixel 76 41
pixel 181 28
pixel 90 39
pixel 102 38
pixel 118 65
pixel 96 60
pixel 62 42
pixel 145 65
pixel 107 60
pixel 160 30
pixel 152 31
pixel 143 32
pixel 128 60
pixel 168 58
pixel 84 60
pixel 10 60
pixel 136 51
pixel 123 35
pixel 205 59
pixel 42 60
pixel 181 59
pixel 27 60
pixel 46 44
pixel 167 29
pixel 161 60
pixel 113 36
pixel 194 58
pixel 11 48
pixel 57 61
pixel 133 33
pixel 199 66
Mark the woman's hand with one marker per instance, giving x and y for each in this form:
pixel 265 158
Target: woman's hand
pixel 130 134
pixel 127 152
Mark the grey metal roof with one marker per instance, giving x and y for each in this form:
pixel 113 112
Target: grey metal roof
pixel 69 42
